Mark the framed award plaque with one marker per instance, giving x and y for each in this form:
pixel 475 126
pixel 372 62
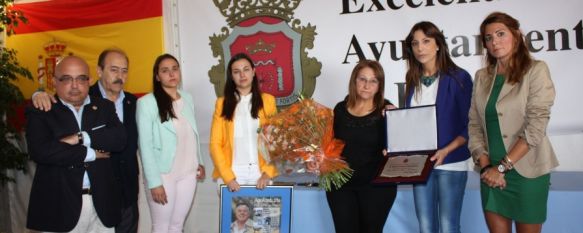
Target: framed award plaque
pixel 411 141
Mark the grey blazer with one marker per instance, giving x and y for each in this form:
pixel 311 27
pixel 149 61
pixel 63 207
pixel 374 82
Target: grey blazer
pixel 524 110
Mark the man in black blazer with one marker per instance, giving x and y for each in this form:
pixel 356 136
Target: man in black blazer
pixel 74 189
pixel 112 69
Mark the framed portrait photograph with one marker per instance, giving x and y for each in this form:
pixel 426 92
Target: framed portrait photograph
pixel 251 210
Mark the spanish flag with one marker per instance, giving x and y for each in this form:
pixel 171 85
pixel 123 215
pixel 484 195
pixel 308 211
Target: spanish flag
pixel 84 28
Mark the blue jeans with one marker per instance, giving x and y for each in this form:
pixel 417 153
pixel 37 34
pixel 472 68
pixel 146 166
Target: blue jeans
pixel 438 203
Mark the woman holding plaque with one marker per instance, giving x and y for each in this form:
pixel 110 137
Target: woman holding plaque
pixel 359 206
pixel 434 79
pixel 510 111
pixel 238 115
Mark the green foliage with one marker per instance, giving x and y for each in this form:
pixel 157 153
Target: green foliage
pixel 9 19
pixel 11 157
pixel 335 180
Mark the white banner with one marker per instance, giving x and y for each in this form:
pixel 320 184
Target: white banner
pixel 351 29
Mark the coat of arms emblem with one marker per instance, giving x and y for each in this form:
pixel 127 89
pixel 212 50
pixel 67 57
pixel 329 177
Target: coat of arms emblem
pixel 277 43
pixel 46 65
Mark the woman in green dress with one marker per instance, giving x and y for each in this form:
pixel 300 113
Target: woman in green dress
pixel 510 111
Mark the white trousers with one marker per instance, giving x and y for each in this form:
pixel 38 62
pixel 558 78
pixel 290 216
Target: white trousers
pixel 170 218
pixel 246 174
pixel 89 222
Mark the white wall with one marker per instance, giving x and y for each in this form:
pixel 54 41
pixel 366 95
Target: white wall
pixel 198 20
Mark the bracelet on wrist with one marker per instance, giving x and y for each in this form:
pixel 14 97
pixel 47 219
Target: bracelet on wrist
pixel 508 163
pixel 507 166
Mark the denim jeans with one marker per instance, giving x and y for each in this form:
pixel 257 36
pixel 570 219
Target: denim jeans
pixel 438 203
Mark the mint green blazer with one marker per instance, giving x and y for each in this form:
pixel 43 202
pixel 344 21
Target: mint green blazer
pixel 157 140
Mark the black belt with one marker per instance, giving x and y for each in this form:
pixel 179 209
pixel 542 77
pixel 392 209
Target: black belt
pixel 86 192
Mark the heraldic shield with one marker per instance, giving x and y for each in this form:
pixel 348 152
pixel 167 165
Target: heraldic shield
pixel 277 49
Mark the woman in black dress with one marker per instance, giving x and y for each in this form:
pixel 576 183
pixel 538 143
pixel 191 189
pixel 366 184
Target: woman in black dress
pixel 359 206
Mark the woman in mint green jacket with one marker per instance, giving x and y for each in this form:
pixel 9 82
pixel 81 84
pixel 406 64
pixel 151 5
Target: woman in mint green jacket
pixel 169 147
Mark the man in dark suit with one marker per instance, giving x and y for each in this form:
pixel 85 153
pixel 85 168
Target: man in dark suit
pixel 112 69
pixel 74 189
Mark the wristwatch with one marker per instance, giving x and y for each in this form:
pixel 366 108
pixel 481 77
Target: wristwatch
pixel 80 138
pixel 502 168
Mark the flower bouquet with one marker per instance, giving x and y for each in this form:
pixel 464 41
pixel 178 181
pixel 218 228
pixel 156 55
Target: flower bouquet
pixel 301 139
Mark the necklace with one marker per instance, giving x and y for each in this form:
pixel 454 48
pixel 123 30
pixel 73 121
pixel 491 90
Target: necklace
pixel 428 80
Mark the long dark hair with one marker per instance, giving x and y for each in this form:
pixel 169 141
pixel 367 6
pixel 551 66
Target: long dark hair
pixel 520 59
pixel 163 99
pixel 443 61
pixel 379 74
pixel 231 93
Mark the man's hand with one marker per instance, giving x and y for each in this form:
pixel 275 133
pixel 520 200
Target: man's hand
pixel 71 139
pixel 99 154
pixel 43 101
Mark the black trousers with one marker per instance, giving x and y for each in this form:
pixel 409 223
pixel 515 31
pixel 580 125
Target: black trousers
pixel 129 219
pixel 361 209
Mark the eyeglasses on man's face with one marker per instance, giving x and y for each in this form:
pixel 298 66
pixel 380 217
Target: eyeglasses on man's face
pixel 67 79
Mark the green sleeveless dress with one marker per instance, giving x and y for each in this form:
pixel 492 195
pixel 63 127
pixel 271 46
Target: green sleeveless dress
pixel 523 200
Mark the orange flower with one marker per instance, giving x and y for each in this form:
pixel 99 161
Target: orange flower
pixel 302 133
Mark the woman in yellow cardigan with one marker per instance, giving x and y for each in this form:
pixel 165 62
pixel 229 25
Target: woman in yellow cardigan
pixel 238 115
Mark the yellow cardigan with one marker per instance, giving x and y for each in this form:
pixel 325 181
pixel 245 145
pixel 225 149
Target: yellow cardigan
pixel 221 142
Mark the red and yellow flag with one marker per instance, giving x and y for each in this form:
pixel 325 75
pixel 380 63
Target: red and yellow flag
pixel 84 28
